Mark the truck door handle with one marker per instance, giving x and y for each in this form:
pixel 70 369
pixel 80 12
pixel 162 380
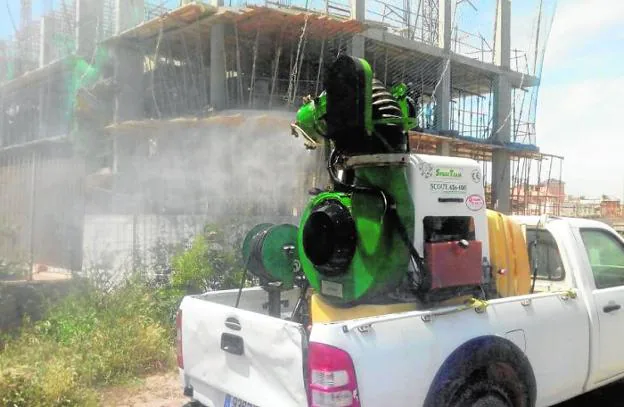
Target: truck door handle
pixel 611 307
pixel 232 344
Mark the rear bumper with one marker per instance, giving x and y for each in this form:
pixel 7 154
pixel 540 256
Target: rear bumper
pixel 187 389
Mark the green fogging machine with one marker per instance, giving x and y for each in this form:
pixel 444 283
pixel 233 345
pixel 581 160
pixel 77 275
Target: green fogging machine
pixel 350 245
pixel 355 240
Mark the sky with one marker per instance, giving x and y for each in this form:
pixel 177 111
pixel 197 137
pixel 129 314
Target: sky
pixel 579 104
pixel 580 101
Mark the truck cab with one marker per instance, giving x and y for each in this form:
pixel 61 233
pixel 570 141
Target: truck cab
pixel 589 256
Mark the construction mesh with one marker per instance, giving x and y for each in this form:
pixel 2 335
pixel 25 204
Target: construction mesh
pixel 167 165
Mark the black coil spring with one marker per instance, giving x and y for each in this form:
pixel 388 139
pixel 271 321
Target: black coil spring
pixel 385 106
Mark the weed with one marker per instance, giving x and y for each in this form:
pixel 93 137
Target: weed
pixel 101 334
pixel 88 340
pixel 213 262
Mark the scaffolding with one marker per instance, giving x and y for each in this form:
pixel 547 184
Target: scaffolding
pixel 414 20
pixel 537 185
pixel 63 34
pixel 275 52
pixel 273 58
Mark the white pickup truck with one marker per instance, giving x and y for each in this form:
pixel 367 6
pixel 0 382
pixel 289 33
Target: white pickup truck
pixel 563 340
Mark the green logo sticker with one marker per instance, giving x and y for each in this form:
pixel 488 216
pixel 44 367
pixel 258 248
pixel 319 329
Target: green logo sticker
pixel 448 173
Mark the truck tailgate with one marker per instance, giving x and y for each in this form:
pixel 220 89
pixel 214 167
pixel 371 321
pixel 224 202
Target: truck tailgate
pixel 232 356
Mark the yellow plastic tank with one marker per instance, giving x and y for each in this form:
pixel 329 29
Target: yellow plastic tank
pixel 321 311
pixel 508 255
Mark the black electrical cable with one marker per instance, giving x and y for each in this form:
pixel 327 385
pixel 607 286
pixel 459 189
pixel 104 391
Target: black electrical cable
pixel 535 262
pixel 406 240
pixel 389 208
pixel 386 107
pixel 301 303
pixel 240 288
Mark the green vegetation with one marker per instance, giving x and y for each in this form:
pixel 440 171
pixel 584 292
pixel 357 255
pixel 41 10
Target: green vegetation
pixel 12 270
pixel 88 340
pixel 211 263
pixel 96 337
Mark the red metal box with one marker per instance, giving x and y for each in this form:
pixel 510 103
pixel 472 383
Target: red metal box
pixel 451 265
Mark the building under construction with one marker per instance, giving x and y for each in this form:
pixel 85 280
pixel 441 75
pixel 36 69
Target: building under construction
pixel 127 106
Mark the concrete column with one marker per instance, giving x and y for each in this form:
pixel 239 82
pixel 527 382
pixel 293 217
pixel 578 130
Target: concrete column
pixel 443 90
pixel 442 110
pixel 445 24
pixel 217 66
pixel 357 47
pixel 46 54
pixel 129 78
pixel 1 118
pixel 444 148
pixel 129 14
pixel 501 123
pixel 501 181
pixel 502 35
pixel 46 41
pixel 502 87
pixel 443 98
pixel 501 134
pixel 358 10
pixel 88 20
pixel 128 63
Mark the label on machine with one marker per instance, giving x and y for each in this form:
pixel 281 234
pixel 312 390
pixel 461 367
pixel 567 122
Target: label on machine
pixel 447 187
pixel 331 288
pixel 475 202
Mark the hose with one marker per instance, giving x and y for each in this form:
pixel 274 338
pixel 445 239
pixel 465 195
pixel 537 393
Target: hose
pixel 389 208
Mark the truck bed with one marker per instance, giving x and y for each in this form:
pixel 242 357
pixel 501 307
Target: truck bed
pixel 271 371
pixel 234 354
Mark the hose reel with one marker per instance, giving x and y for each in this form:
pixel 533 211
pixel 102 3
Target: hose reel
pixel 269 253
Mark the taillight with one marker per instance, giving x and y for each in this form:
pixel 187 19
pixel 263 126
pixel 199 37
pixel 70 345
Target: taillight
pixel 179 338
pixel 331 378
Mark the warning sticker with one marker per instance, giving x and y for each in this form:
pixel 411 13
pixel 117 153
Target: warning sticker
pixel 475 202
pixel 448 188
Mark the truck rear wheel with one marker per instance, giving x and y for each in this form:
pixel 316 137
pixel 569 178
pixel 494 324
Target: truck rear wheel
pixel 486 372
pixel 483 395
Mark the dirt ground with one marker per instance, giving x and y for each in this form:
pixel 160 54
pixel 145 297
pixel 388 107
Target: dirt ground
pixel 161 390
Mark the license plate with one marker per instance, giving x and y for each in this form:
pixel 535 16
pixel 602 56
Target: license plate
pixel 231 401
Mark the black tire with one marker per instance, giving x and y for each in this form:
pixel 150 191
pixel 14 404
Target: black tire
pixel 486 372
pixel 482 393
